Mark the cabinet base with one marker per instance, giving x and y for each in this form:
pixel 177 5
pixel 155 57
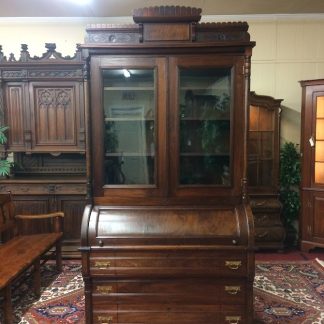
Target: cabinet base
pixel 306 246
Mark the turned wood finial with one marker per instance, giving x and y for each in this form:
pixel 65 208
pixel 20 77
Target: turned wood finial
pixel 166 14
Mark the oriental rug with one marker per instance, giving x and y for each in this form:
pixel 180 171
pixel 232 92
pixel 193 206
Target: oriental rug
pixel 284 292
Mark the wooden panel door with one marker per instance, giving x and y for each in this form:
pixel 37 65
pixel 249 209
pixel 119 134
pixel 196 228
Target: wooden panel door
pixel 15 115
pixel 56 116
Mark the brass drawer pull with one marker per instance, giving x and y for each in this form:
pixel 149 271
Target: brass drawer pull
pixel 104 289
pixel 233 290
pixel 105 319
pixel 102 264
pixel 233 265
pixel 233 319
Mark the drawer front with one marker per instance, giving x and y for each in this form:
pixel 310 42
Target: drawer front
pixel 190 291
pixel 269 234
pixel 265 204
pixel 43 188
pixel 267 219
pixel 142 264
pixel 170 314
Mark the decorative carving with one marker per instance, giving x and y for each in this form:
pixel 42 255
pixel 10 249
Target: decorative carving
pixel 49 56
pixel 18 74
pixel 54 98
pixel 2 57
pixel 55 74
pixel 103 37
pixel 12 58
pixel 108 33
pixel 224 31
pixel 1 105
pixel 166 14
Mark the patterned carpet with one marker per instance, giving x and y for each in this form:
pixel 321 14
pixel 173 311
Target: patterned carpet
pixel 285 292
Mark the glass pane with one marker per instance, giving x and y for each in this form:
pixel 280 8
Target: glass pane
pixel 254 118
pixel 319 151
pixel 253 143
pixel 265 175
pixel 205 109
pixel 320 129
pixel 319 172
pixel 266 120
pixel 252 171
pixel 129 115
pixel 320 107
pixel 266 145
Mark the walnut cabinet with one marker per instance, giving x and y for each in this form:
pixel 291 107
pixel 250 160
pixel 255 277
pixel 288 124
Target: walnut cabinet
pixel 169 234
pixel 263 170
pixel 42 103
pixel 312 150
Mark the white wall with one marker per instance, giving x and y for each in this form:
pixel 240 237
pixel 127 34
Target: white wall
pixel 289 48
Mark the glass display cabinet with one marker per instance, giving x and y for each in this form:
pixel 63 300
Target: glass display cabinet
pixel 263 170
pixel 168 129
pixel 312 150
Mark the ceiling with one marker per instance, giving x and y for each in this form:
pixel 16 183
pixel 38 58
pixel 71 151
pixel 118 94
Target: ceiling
pixel 120 8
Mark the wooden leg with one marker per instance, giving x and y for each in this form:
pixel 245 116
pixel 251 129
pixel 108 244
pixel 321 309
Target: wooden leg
pixel 37 282
pixel 7 309
pixel 58 253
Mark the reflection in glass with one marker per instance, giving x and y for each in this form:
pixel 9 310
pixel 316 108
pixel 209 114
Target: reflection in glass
pixel 205 110
pixel 129 132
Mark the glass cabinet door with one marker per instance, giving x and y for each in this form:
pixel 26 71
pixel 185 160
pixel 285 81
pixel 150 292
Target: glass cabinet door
pixel 205 103
pixel 129 102
pixel 128 98
pixel 319 140
pixel 261 147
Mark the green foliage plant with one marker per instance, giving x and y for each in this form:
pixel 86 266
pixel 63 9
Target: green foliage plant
pixel 5 165
pixel 290 175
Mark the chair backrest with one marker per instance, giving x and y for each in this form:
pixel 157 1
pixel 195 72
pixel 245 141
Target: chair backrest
pixel 7 216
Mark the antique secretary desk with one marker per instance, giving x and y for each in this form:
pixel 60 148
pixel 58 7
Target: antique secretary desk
pixel 168 237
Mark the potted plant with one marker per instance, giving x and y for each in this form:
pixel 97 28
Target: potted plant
pixel 4 163
pixel 289 190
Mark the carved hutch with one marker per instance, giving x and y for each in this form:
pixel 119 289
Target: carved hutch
pixel 169 236
pixel 312 151
pixel 263 171
pixel 42 103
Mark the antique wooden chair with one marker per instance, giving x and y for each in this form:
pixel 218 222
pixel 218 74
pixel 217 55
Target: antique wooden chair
pixel 18 252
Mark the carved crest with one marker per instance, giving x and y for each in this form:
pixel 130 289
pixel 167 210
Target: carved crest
pixel 49 56
pixel 167 14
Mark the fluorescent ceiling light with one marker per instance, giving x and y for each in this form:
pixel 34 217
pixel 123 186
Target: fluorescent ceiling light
pixel 81 2
pixel 126 73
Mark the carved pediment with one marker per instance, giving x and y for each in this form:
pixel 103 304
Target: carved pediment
pixel 51 55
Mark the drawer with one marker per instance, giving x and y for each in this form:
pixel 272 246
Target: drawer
pixel 167 263
pixel 265 204
pixel 190 291
pixel 43 188
pixel 269 234
pixel 267 219
pixel 170 314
